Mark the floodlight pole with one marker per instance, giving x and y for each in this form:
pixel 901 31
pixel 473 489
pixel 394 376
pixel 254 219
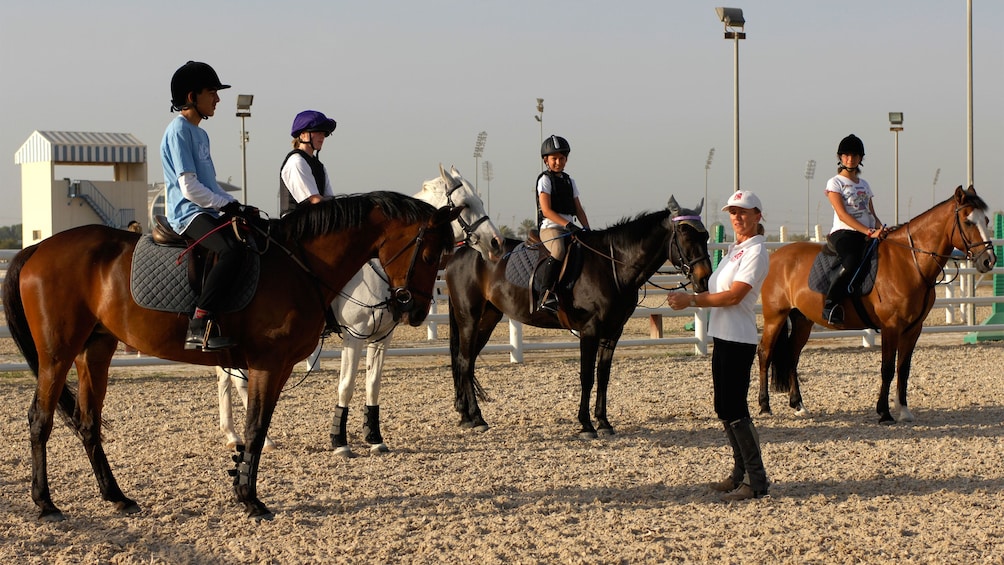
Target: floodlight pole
pixel 707 167
pixel 479 150
pixel 244 111
pixel 810 173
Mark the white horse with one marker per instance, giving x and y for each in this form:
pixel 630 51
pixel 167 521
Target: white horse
pixel 364 311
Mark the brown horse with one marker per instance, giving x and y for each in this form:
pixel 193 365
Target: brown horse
pixel 910 260
pixel 68 301
pixel 616 263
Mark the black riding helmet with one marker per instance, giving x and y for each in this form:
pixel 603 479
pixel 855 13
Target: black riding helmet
pixel 851 145
pixel 193 76
pixel 555 144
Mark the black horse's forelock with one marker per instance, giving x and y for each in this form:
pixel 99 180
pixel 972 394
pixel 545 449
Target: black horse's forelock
pixel 350 211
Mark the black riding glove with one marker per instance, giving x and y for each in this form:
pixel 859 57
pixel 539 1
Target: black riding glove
pixel 572 228
pixel 235 209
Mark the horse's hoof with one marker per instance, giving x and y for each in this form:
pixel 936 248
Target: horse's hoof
pixel 53 515
pixel 765 412
pixel 345 452
pixel 379 448
pixel 480 429
pixel 887 420
pixel 258 511
pixel 586 434
pixel 905 415
pixel 127 507
pixel 269 445
pixel 801 413
pixel 606 432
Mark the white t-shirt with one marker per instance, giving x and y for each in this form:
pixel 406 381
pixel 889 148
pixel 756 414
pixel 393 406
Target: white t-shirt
pixel 746 262
pixel 300 181
pixel 856 196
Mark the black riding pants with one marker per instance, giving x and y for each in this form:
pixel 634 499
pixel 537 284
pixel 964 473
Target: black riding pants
pixel 730 371
pixel 231 254
pixel 850 247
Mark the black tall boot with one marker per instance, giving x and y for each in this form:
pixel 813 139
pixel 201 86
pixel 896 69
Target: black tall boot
pixel 735 479
pixel 549 279
pixel 833 312
pixel 749 447
pixel 338 423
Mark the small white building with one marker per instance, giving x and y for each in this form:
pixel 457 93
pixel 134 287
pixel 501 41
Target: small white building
pixel 50 205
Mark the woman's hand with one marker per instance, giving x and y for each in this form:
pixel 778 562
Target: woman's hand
pixel 680 300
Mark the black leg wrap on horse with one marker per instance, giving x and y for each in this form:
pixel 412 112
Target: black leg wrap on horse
pixel 749 446
pixel 371 425
pixel 245 471
pixel 338 424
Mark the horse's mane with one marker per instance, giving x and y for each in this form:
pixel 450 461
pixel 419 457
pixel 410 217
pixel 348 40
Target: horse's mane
pixel 349 211
pixel 969 199
pixel 635 228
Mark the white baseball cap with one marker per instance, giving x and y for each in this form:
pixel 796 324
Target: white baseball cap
pixel 743 199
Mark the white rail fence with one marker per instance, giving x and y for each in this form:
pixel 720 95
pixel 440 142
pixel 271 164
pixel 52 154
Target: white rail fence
pixel 958 299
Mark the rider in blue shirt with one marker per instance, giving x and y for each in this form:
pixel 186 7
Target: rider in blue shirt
pixel 197 207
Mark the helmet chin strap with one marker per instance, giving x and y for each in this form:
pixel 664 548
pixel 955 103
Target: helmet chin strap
pixel 841 167
pixel 315 151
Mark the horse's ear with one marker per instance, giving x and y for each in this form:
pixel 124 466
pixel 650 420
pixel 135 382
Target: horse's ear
pixel 447 179
pixel 960 194
pixel 453 169
pixel 673 206
pixel 446 215
pixel 699 208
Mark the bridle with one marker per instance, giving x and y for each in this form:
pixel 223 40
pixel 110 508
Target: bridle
pixel 402 298
pixel 471 238
pixel 956 228
pixel 686 265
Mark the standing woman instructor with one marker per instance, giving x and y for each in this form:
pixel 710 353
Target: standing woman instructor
pixel 732 293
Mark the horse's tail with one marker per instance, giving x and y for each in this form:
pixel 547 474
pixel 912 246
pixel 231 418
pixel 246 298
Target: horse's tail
pixel 17 323
pixel 781 363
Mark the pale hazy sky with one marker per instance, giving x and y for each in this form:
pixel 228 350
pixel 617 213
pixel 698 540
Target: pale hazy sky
pixel 641 89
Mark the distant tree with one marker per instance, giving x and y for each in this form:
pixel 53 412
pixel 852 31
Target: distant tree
pixel 10 237
pixel 506 231
pixel 525 228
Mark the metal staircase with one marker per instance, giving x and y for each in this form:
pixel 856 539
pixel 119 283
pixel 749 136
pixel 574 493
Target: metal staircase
pixel 110 216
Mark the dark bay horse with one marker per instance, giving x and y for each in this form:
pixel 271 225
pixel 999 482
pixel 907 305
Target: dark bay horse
pixel 68 301
pixel 616 262
pixel 910 261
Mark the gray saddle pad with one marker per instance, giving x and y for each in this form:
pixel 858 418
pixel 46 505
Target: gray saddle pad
pixel 825 266
pixel 158 282
pixel 521 262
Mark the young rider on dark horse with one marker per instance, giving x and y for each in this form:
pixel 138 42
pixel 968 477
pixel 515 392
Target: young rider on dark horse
pixel 854 222
pixel 196 205
pixel 557 207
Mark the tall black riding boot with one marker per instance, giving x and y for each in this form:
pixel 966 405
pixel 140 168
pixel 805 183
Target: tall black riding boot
pixel 749 447
pixel 549 279
pixel 833 312
pixel 338 423
pixel 735 479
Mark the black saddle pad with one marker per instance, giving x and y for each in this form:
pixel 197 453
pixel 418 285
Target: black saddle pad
pixel 824 269
pixel 159 282
pixel 521 262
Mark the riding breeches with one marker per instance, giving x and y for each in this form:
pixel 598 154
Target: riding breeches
pixel 850 247
pixel 231 254
pixel 730 372
pixel 554 240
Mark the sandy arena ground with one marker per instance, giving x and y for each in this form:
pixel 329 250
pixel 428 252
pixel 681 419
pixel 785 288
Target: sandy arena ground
pixel 845 489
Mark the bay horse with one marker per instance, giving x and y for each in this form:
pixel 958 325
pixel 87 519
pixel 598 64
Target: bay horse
pixel 910 260
pixel 68 301
pixel 367 317
pixel 616 263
